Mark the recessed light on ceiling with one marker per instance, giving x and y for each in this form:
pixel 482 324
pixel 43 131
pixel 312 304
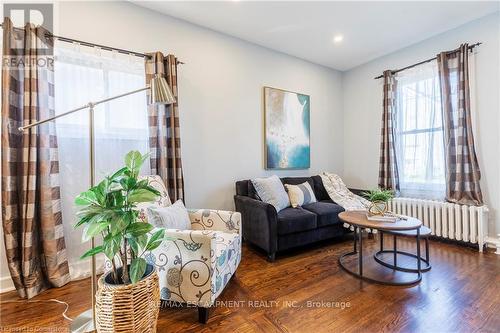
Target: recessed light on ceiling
pixel 338 38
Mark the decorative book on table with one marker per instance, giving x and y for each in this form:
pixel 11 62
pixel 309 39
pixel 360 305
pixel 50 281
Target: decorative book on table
pixel 387 217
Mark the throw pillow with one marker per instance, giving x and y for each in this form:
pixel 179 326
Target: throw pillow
pixel 301 194
pixel 172 217
pixel 271 191
pixel 157 183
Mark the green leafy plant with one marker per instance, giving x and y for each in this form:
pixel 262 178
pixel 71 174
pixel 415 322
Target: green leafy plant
pixel 378 195
pixel 110 209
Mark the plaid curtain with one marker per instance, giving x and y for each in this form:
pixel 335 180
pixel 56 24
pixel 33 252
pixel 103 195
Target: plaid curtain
pixel 31 205
pixel 462 169
pixel 388 171
pixel 164 130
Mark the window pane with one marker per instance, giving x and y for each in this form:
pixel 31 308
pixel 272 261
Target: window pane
pixel 419 133
pixel 83 75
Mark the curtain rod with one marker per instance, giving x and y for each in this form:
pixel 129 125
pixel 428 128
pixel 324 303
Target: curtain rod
pixel 421 62
pixel 104 47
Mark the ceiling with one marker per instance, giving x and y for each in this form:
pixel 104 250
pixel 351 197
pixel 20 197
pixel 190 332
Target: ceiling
pixel 306 29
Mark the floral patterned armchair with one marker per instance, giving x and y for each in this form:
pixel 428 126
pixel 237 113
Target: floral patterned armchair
pixel 196 265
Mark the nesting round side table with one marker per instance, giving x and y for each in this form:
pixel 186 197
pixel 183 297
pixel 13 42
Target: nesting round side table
pixel 411 225
pixel 425 232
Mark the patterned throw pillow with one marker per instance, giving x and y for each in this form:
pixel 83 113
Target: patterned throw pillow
pixel 301 194
pixel 172 217
pixel 156 182
pixel 162 201
pixel 271 191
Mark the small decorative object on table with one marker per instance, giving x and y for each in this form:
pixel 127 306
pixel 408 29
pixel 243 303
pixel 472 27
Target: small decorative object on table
pixel 128 297
pixel 378 208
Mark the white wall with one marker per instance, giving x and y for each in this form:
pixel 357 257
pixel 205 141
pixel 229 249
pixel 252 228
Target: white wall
pixel 220 89
pixel 362 107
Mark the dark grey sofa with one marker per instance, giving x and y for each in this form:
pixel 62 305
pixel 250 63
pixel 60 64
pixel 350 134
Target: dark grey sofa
pixel 291 227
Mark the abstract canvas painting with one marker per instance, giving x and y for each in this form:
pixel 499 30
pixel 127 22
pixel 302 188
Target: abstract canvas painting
pixel 286 129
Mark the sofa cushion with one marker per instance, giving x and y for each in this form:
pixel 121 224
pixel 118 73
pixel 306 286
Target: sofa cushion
pixel 242 187
pixel 328 213
pixel 319 189
pixel 252 193
pixel 297 181
pixel 292 220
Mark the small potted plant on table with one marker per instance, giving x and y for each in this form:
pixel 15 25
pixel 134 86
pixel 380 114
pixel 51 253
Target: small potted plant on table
pixel 379 199
pixel 128 296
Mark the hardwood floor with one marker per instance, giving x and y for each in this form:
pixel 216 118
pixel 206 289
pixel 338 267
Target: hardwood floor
pixel 305 290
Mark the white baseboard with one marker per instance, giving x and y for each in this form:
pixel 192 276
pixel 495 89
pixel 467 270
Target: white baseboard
pixel 80 270
pixel 493 242
pixel 6 284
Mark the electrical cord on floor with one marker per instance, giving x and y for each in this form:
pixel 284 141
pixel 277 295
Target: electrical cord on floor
pixel 42 301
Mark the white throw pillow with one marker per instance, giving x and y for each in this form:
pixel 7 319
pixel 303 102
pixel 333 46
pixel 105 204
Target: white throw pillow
pixel 271 191
pixel 301 194
pixel 172 217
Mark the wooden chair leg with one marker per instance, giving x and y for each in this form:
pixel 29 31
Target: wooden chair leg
pixel 203 315
pixel 271 257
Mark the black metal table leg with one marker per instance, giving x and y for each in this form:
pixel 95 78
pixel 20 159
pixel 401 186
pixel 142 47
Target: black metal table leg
pixel 358 237
pixel 418 252
pixel 395 251
pixel 427 250
pixel 360 256
pixel 355 239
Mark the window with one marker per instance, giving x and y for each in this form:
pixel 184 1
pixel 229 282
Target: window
pixel 419 141
pixel 84 74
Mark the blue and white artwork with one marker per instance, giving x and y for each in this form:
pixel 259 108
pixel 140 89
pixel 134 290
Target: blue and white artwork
pixel 287 129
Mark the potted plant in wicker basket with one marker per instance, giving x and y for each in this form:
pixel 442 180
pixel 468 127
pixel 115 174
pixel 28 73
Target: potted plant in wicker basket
pixel 379 199
pixel 128 297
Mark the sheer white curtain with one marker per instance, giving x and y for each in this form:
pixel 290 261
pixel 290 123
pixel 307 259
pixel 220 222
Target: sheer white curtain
pixel 84 74
pixel 419 133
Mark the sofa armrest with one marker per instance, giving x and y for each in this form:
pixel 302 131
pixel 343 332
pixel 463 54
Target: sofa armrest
pixel 357 191
pixel 260 222
pixel 217 220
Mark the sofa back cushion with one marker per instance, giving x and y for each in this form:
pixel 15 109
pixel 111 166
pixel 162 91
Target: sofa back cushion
pixel 252 192
pixel 297 181
pixel 242 187
pixel 246 188
pixel 319 189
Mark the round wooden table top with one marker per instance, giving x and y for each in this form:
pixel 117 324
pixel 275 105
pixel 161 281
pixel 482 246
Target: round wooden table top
pixel 358 218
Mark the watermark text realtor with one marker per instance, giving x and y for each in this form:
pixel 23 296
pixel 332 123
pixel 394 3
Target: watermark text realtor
pixel 28 47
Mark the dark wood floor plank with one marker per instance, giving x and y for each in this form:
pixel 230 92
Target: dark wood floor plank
pixel 460 294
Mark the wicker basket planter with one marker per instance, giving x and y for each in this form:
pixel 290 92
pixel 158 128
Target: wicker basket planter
pixel 128 307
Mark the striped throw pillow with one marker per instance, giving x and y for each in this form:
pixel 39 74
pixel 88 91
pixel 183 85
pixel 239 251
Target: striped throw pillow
pixel 301 194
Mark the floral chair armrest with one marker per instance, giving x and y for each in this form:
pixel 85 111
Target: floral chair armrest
pixel 185 266
pixel 219 220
